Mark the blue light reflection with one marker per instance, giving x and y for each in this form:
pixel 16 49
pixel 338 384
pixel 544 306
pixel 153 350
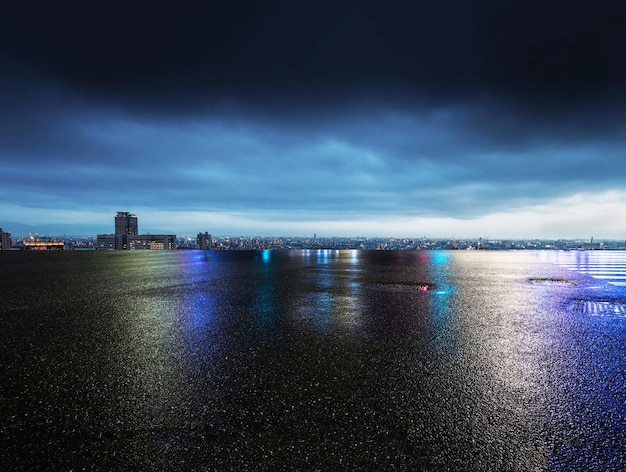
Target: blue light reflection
pixel 266 255
pixel 442 315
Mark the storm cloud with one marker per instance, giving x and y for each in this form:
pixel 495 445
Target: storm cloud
pixel 405 113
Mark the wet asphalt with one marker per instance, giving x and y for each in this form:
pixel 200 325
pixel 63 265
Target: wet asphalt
pixel 308 360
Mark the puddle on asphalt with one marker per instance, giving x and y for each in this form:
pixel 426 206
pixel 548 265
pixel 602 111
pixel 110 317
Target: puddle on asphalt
pixel 401 287
pixel 550 281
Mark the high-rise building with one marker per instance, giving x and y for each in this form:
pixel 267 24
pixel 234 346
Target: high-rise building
pixel 126 223
pixel 5 240
pixel 204 241
pixel 127 236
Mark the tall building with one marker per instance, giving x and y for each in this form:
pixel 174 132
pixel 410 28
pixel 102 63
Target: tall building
pixel 127 236
pixel 204 241
pixel 126 223
pixel 5 240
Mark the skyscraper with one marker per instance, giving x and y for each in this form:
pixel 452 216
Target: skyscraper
pixel 127 236
pixel 126 223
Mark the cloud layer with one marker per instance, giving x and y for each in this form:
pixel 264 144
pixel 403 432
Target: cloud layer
pixel 419 116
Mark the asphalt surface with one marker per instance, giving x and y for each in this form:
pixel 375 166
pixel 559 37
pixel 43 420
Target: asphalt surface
pixel 309 360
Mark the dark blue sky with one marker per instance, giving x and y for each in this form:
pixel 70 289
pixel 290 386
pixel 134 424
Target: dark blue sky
pixel 442 118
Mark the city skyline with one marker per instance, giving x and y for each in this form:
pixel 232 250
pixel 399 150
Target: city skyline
pixel 44 233
pixel 126 236
pixel 437 119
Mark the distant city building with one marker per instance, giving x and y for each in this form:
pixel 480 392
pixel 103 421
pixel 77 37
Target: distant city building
pixel 43 244
pixel 109 241
pixel 151 241
pixel 204 241
pixel 127 236
pixel 5 240
pixel 126 223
